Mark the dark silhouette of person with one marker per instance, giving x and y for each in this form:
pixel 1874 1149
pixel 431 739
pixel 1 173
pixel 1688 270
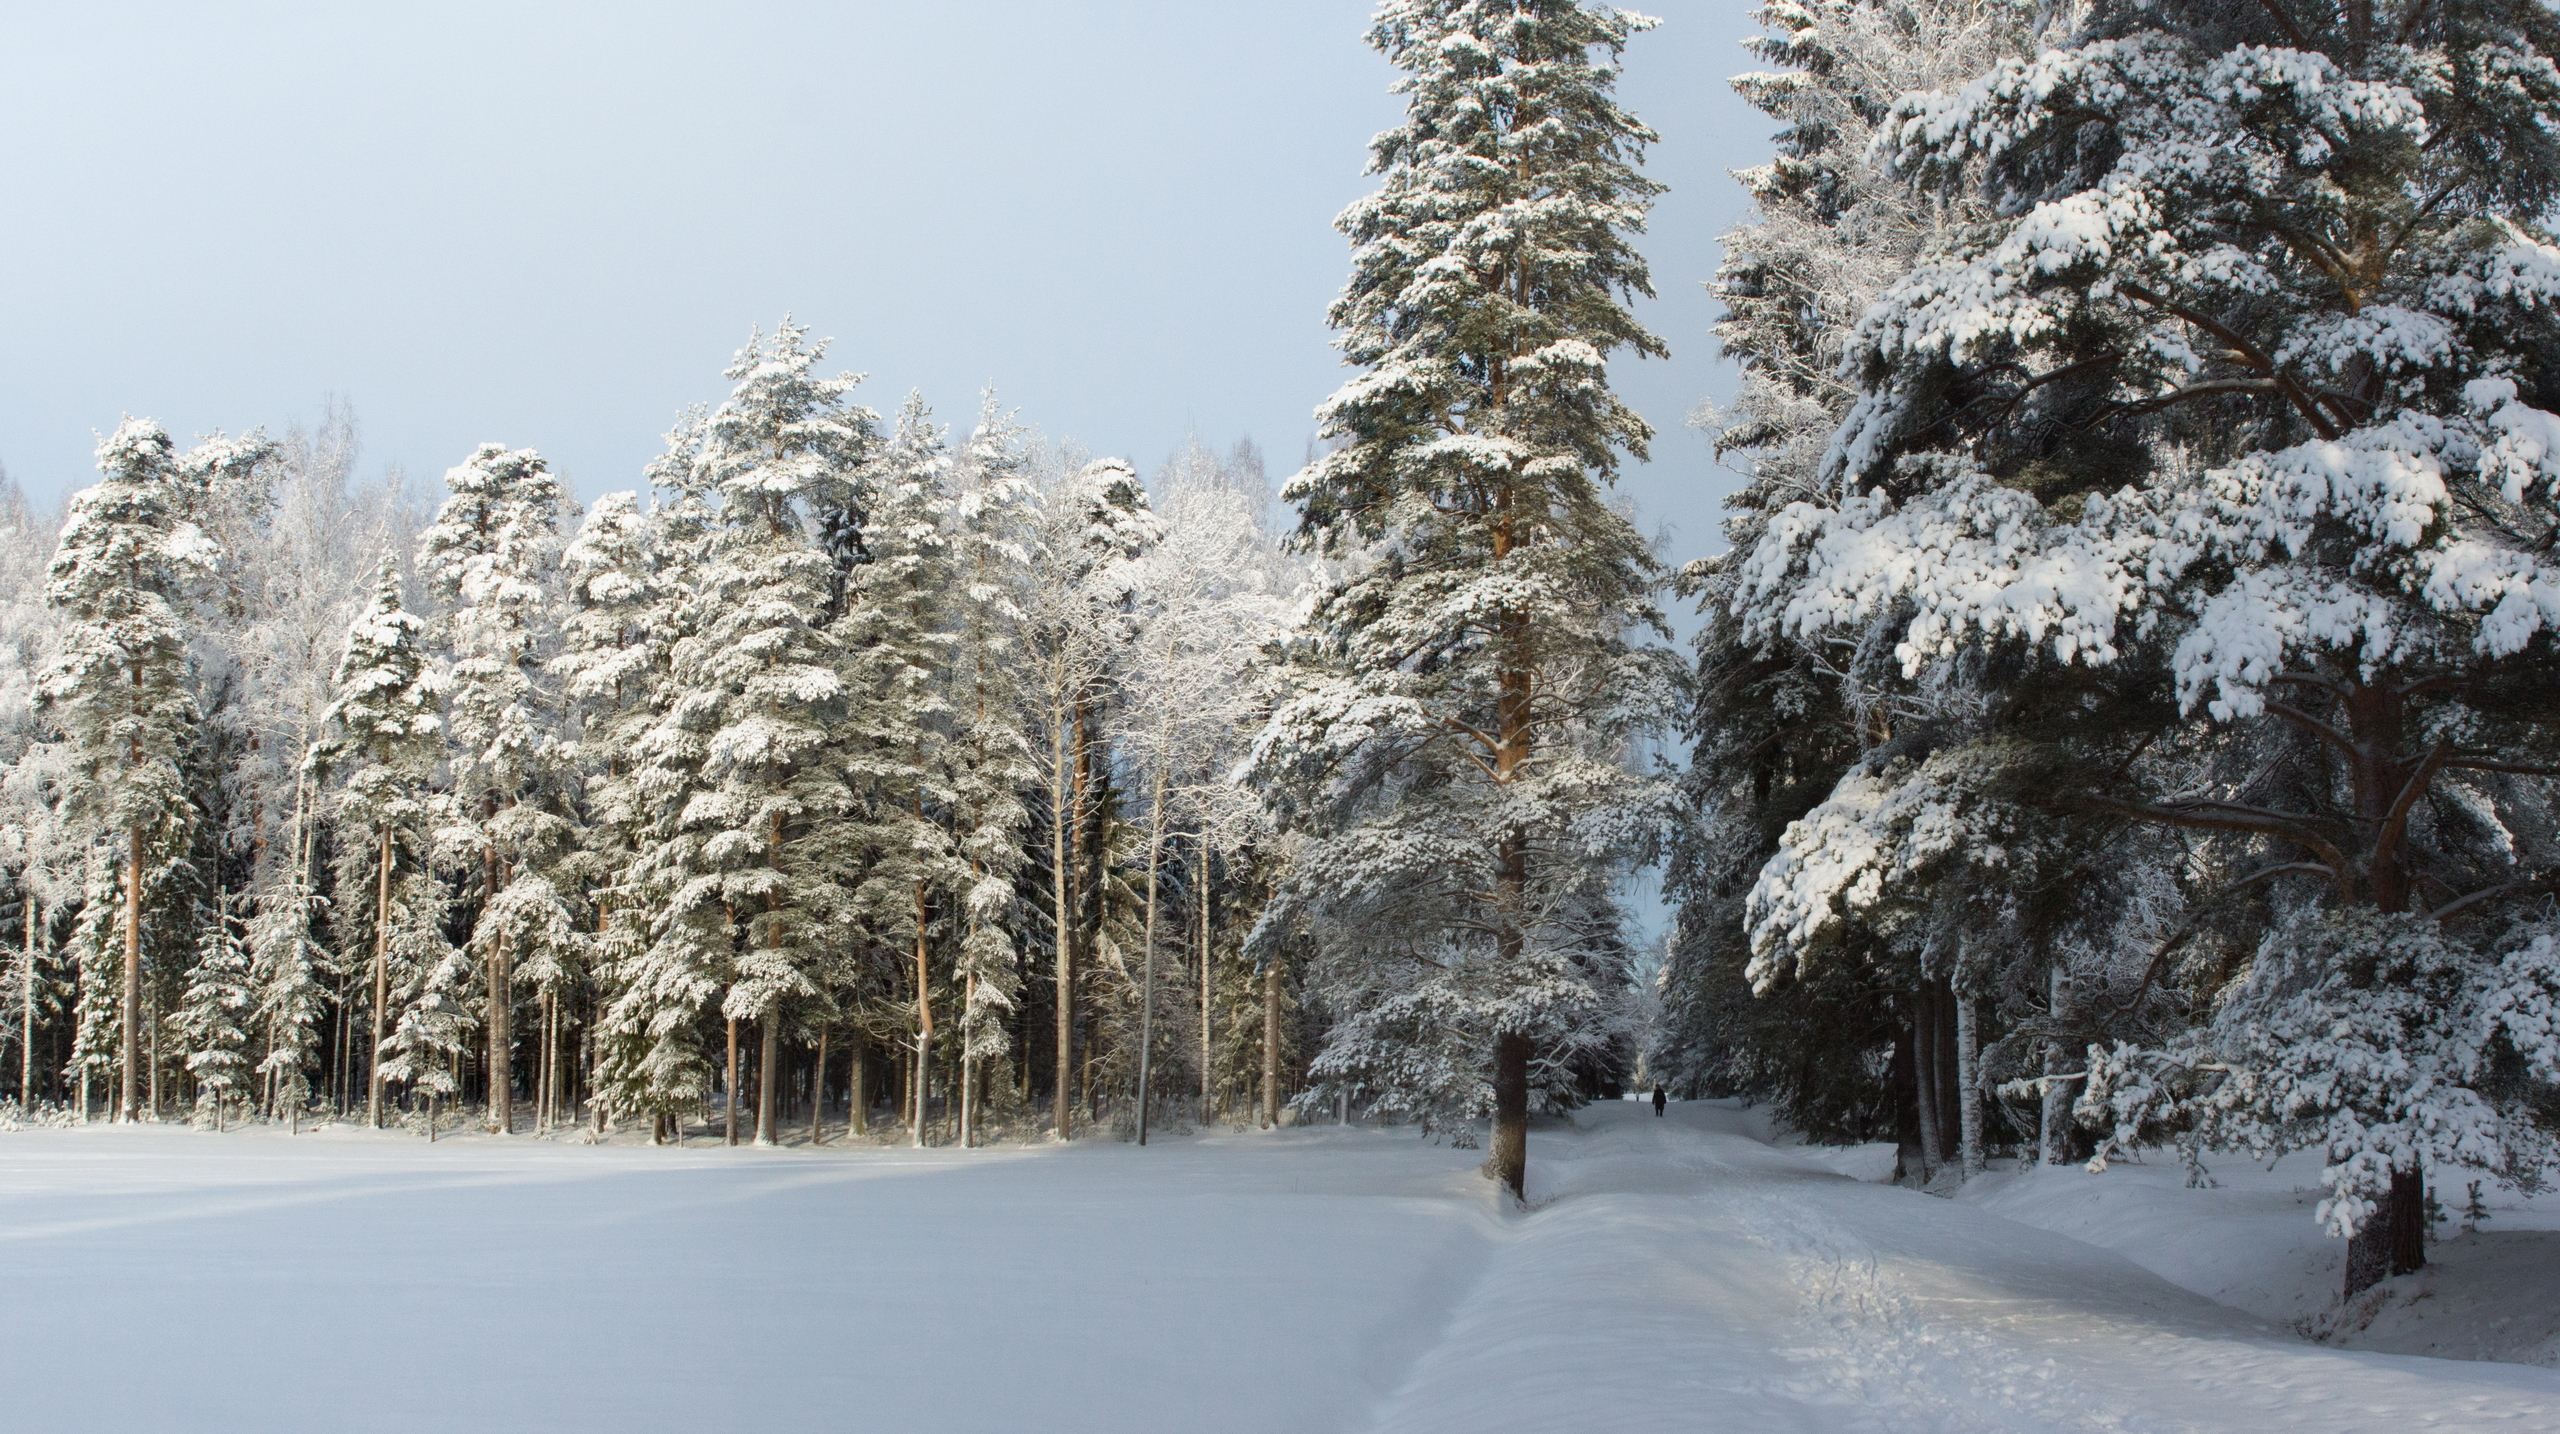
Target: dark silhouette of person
pixel 1661 1098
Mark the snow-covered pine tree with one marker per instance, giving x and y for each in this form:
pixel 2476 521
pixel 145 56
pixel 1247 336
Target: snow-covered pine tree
pixel 993 506
pixel 897 643
pixel 1093 533
pixel 121 688
pixel 760 841
pixel 212 1020
pixel 638 598
pixel 431 996
pixel 1471 691
pixel 2243 405
pixel 387 738
pixel 492 555
pixel 1774 724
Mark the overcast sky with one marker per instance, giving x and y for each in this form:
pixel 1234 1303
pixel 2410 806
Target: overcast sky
pixel 551 225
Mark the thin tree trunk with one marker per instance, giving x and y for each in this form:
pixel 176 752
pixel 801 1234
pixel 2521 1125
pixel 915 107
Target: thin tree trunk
pixel 1062 1112
pixel 1968 1087
pixel 2054 1146
pixel 768 1053
pixel 858 1087
pixel 1924 1069
pixel 130 1018
pixel 1204 977
pixel 924 1011
pixel 732 1101
pixel 1271 1043
pixel 27 1010
pixel 1147 986
pixel 818 1095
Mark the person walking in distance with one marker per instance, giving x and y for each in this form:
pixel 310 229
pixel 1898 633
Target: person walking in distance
pixel 1661 1098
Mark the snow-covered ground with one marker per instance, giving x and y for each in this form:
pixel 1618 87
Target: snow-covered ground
pixel 1675 1274
pixel 2248 1239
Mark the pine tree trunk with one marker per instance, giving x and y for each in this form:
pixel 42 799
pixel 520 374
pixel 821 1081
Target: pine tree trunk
pixel 1906 1101
pixel 131 1015
pixel 502 1105
pixel 924 1014
pixel 858 1088
pixel 1147 985
pixel 1509 1159
pixel 1968 1088
pixel 818 1094
pixel 2054 1145
pixel 1062 1112
pixel 2394 1238
pixel 730 1112
pixel 1924 1063
pixel 27 1010
pixel 768 1052
pixel 1205 974
pixel 1271 1043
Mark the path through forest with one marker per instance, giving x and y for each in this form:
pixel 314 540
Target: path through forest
pixel 1675 1275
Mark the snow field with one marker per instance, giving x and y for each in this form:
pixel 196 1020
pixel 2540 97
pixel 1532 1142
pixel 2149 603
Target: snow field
pixel 1673 1274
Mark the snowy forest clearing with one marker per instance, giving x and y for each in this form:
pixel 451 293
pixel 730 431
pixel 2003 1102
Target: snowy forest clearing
pixel 1672 1275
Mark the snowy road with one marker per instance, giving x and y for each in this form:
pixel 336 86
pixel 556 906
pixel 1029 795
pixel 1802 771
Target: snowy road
pixel 1676 1275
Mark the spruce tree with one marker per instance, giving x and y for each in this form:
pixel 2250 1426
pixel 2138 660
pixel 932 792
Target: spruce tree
pixel 992 507
pixel 1471 689
pixel 897 733
pixel 492 556
pixel 212 1019
pixel 754 857
pixel 388 737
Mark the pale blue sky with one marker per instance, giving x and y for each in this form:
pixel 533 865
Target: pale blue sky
pixel 550 225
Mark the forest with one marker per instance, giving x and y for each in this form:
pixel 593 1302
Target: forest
pixel 2122 716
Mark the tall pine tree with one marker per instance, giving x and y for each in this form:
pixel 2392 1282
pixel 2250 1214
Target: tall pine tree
pixel 1471 689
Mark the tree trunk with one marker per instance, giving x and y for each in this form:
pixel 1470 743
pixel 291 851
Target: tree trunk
pixel 1147 986
pixel 1924 1064
pixel 730 1111
pixel 127 1109
pixel 1968 1089
pixel 1205 973
pixel 2394 1238
pixel 924 1015
pixel 1062 1113
pixel 857 1083
pixel 818 1094
pixel 2054 1144
pixel 1905 1069
pixel 768 1051
pixel 27 1010
pixel 1509 1161
pixel 1271 1043
pixel 502 1103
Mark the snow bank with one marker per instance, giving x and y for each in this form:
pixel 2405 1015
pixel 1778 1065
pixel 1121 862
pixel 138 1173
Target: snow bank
pixel 2249 1241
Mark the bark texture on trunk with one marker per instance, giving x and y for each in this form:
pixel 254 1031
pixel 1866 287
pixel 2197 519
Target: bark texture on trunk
pixel 127 1103
pixel 502 1096
pixel 730 1113
pixel 1271 1043
pixel 818 1094
pixel 1062 1109
pixel 1924 1065
pixel 2053 1133
pixel 2394 1238
pixel 1968 1089
pixel 381 984
pixel 768 1051
pixel 1509 1159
